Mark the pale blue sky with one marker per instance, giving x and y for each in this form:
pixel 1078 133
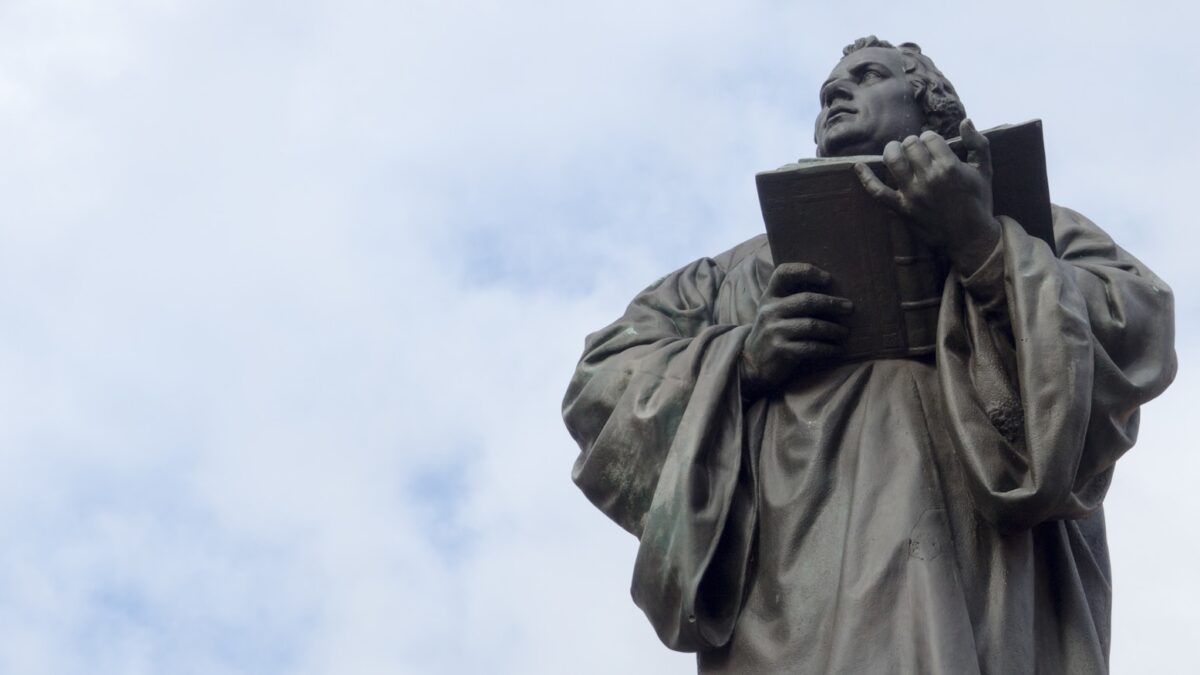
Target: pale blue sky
pixel 290 292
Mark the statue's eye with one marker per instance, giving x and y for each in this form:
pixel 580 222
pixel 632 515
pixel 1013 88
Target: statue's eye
pixel 871 75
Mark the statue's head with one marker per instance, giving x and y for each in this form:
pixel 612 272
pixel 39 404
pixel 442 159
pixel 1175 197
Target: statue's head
pixel 880 93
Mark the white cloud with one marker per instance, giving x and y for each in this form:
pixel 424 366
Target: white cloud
pixel 291 292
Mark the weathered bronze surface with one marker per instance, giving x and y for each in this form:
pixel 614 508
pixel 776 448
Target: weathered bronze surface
pixel 799 513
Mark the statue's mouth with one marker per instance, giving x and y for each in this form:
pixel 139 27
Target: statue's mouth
pixel 837 113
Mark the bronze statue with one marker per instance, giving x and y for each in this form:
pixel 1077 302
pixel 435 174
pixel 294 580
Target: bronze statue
pixel 798 513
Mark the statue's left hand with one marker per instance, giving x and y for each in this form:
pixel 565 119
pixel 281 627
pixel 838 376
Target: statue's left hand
pixel 948 201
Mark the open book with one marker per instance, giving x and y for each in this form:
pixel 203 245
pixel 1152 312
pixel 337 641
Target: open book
pixel 818 212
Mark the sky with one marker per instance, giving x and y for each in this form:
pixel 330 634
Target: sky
pixel 290 293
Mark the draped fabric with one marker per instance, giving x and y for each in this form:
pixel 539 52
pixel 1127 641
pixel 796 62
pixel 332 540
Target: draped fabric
pixel 938 515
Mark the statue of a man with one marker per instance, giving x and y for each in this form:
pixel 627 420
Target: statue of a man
pixel 940 514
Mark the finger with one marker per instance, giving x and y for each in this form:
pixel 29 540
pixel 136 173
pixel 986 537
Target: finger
pixel 919 158
pixel 789 278
pixel 938 148
pixel 813 304
pixel 979 151
pixel 897 163
pixel 797 330
pixel 877 189
pixel 812 350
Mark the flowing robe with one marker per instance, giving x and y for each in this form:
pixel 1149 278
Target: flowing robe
pixel 938 515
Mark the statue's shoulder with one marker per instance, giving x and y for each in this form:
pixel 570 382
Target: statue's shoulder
pixel 1075 234
pixel 748 251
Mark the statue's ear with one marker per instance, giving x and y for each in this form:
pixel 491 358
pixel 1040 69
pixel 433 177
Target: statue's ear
pixel 919 88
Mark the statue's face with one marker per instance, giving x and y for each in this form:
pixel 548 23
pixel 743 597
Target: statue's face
pixel 865 103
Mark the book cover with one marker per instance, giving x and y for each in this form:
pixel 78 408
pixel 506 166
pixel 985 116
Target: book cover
pixel 817 211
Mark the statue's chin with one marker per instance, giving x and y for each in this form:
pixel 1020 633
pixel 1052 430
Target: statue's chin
pixel 843 143
pixel 838 151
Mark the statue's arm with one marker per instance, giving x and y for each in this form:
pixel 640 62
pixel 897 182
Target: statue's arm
pixel 655 406
pixel 1044 362
pixel 635 378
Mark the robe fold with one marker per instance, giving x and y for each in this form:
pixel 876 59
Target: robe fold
pixel 936 515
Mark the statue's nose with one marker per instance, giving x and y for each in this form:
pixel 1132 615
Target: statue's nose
pixel 838 90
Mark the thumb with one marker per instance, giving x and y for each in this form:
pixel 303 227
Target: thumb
pixel 979 153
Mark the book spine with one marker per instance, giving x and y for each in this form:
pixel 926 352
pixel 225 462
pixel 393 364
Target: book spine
pixel 919 280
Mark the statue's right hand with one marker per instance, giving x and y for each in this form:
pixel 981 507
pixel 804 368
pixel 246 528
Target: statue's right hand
pixel 796 326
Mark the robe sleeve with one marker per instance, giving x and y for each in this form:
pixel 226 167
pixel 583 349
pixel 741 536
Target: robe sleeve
pixel 656 408
pixel 1043 363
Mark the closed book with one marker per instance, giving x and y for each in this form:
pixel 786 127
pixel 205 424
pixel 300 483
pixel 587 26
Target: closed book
pixel 817 211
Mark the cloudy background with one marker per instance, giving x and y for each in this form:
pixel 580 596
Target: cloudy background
pixel 290 292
